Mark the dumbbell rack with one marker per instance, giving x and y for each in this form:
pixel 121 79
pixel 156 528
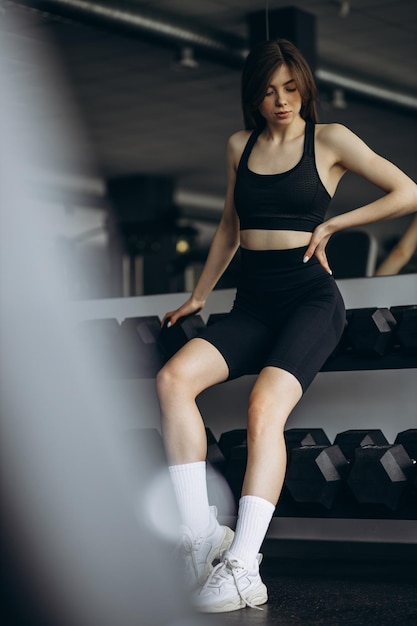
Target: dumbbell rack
pixel 350 530
pixel 398 290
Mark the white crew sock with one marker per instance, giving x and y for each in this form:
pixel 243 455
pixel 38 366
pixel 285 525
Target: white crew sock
pixel 254 517
pixel 190 489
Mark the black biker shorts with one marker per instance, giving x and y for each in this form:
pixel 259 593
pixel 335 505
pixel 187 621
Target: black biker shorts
pixel 286 314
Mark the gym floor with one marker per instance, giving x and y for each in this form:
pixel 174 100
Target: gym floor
pixel 378 588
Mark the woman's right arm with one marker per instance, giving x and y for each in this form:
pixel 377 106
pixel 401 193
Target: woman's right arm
pixel 401 253
pixel 223 246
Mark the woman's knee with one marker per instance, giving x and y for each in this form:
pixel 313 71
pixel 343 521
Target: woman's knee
pixel 265 416
pixel 172 378
pixel 197 366
pixel 273 397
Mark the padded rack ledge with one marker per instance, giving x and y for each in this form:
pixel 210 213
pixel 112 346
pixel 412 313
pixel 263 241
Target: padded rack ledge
pixel 349 363
pixel 340 529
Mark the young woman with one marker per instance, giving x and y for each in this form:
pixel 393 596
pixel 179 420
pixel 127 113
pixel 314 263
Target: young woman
pixel 288 314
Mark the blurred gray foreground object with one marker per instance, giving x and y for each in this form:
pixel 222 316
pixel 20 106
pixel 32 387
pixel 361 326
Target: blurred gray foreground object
pixel 81 548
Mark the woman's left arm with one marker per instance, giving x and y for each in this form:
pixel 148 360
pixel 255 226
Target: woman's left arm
pixel 352 154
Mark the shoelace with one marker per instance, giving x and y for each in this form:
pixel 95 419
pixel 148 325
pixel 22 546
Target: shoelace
pixel 220 572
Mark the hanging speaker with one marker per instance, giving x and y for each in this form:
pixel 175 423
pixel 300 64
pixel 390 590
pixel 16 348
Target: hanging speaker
pixel 290 23
pixel 142 198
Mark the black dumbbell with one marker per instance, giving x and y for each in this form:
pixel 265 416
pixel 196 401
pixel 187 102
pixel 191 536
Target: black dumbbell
pixel 233 444
pixel 142 356
pixel 298 437
pixel 370 331
pixel 232 438
pixel 406 328
pixel 315 474
pixel 215 455
pixel 408 439
pixel 349 440
pixel 218 489
pixel 216 317
pixel 172 338
pixel 381 475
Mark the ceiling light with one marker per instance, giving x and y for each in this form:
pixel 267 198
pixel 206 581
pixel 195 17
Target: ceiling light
pixel 185 58
pixel 182 246
pixel 338 99
pixel 344 7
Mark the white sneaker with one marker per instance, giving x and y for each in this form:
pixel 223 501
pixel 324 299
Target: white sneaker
pixel 198 552
pixel 231 586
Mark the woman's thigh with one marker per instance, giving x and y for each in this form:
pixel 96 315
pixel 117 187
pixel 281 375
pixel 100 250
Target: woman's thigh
pixel 242 339
pixel 309 334
pixel 195 367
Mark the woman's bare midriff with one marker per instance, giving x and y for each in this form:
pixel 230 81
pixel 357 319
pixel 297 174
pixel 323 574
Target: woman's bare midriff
pixel 254 239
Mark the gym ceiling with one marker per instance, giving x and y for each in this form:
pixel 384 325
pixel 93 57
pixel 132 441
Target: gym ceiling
pixel 144 111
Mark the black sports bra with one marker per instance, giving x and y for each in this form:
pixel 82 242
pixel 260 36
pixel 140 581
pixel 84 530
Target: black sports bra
pixel 292 200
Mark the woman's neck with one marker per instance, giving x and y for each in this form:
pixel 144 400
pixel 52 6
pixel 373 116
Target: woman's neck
pixel 280 133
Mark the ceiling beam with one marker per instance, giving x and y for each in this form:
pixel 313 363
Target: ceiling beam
pixel 168 30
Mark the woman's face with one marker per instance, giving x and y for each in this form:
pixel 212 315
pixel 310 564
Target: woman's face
pixel 282 102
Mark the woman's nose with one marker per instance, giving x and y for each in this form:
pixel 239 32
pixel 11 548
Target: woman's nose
pixel 279 98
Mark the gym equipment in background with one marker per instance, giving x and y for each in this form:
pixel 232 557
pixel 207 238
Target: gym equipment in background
pixel 172 338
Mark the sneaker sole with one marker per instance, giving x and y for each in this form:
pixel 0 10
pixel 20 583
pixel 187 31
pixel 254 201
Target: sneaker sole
pixel 259 597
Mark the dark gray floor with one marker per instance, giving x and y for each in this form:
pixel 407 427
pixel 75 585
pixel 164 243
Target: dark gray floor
pixel 334 592
pixel 309 584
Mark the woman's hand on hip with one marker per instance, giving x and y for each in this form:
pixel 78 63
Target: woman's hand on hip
pixel 317 246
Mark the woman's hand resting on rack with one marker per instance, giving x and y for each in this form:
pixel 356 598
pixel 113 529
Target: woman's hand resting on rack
pixel 192 305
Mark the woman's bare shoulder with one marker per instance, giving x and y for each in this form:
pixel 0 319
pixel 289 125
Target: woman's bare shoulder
pixel 343 143
pixel 236 144
pixel 238 140
pixel 332 133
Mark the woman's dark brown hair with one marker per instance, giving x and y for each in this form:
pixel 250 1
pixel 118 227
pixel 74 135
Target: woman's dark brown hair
pixel 261 63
